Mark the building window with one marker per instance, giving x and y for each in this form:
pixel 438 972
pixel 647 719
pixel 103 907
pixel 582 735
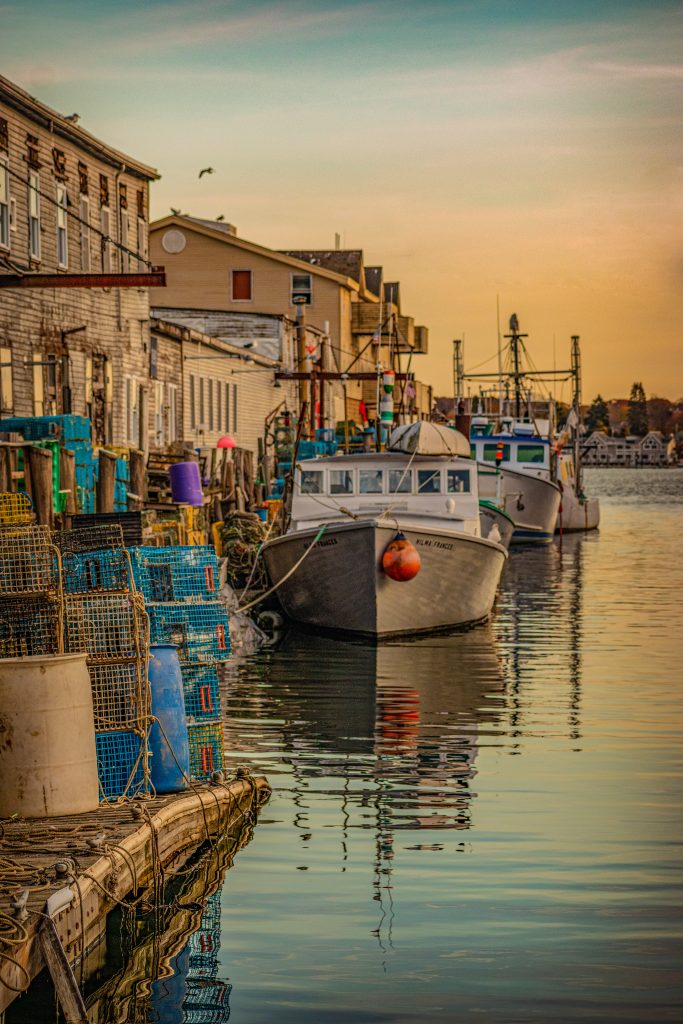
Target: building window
pixel 234 408
pixel 302 288
pixel 84 214
pixel 172 412
pixel 159 412
pixel 132 411
pixel 34 215
pixel 140 199
pixel 62 243
pixel 210 384
pixel 153 357
pixel 105 226
pixel 6 383
pixel 4 134
pixel 227 408
pixel 142 244
pixel 4 205
pixel 123 237
pixel 193 405
pixel 38 387
pixel 201 424
pixel 82 179
pixel 219 417
pixel 104 190
pixel 241 285
pixel 59 161
pixel 32 152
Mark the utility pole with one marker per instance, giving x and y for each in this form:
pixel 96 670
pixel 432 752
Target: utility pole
pixel 302 357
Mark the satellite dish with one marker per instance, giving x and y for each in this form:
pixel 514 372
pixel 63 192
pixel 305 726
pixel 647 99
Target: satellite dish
pixel 173 241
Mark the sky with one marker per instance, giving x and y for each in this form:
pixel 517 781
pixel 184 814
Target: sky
pixel 493 156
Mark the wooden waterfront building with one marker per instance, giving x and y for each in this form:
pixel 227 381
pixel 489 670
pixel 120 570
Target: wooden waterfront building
pixel 74 212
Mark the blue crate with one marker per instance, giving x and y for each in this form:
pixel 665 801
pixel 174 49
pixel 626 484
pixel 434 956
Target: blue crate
pixel 38 428
pixel 120 764
pixel 206 749
pixel 176 573
pixel 99 571
pixel 200 631
pixel 202 693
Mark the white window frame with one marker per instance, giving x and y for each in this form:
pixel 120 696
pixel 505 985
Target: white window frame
pixel 34 215
pixel 192 395
pixel 159 432
pixel 142 248
pixel 62 229
pixel 84 213
pixel 241 270
pixel 105 228
pixel 5 204
pixel 132 411
pixel 172 406
pixel 301 291
pixel 209 411
pixel 234 408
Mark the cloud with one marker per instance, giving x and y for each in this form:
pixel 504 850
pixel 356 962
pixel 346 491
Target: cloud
pixel 656 72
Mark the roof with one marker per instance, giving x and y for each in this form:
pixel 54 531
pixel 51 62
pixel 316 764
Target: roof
pixel 181 331
pixel 347 262
pixel 217 232
pixel 21 101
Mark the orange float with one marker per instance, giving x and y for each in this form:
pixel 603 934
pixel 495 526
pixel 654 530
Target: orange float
pixel 401 561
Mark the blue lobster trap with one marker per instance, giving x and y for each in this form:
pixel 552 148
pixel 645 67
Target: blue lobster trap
pixel 201 692
pixel 100 571
pixel 186 573
pixel 121 764
pixel 201 631
pixel 206 749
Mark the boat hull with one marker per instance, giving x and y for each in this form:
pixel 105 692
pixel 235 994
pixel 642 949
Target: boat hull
pixel 531 501
pixel 576 516
pixel 341 586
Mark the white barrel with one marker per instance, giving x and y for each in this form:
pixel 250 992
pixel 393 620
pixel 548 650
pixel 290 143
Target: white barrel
pixel 48 763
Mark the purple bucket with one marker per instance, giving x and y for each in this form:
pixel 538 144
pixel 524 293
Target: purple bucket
pixel 186 487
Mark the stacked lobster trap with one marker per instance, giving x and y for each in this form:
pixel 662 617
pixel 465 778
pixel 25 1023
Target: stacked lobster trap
pixel 31 606
pixel 181 590
pixel 105 618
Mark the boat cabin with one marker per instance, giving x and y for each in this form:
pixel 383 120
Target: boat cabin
pixel 522 453
pixel 412 488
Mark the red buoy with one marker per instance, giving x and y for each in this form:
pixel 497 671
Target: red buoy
pixel 400 560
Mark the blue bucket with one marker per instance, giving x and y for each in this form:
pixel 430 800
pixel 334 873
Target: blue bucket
pixel 170 749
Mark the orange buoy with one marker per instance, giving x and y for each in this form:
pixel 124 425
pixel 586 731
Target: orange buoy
pixel 400 560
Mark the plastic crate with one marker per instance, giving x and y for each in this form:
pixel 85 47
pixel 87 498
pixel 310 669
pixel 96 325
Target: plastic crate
pixel 202 693
pixel 121 764
pixel 182 573
pixel 206 749
pixel 200 631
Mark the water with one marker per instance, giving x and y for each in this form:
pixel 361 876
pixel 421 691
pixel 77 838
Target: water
pixel 482 827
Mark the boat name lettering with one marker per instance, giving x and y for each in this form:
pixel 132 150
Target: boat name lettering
pixel 434 544
pixel 328 542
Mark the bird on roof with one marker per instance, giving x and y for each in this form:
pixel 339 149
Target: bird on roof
pixel 73 118
pixel 221 216
pixel 176 213
pixel 206 170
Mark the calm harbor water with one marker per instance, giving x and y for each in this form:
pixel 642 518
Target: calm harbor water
pixel 481 827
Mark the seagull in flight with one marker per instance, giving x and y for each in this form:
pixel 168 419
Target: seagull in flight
pixel 206 170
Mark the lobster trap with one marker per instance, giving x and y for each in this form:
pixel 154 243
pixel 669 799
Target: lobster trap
pixel 201 692
pixel 206 749
pixel 29 562
pixel 167 574
pixel 122 764
pixel 120 695
pixel 200 631
pixel 30 627
pixel 106 627
pixel 15 509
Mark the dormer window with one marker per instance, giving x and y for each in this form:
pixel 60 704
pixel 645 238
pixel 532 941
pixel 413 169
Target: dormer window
pixel 302 288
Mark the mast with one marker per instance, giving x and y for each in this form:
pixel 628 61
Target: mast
pixel 576 403
pixel 514 337
pixel 458 375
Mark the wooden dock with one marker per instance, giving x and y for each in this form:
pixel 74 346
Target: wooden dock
pixel 75 869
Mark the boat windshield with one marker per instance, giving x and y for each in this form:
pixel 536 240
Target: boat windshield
pixel 458 481
pixel 428 481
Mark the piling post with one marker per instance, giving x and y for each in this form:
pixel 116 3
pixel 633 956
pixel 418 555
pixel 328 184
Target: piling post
pixel 106 481
pixel 136 481
pixel 40 466
pixel 67 479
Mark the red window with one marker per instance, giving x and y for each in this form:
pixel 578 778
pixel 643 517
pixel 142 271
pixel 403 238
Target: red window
pixel 241 285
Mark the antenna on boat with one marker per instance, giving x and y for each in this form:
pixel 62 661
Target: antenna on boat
pixel 514 337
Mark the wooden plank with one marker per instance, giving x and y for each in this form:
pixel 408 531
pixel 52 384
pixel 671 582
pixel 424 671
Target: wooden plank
pixel 63 979
pixel 155 279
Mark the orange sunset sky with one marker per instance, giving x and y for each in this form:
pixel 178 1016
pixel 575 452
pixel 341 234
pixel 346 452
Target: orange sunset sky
pixel 526 151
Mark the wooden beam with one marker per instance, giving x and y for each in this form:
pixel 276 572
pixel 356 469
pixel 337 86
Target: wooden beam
pixel 156 278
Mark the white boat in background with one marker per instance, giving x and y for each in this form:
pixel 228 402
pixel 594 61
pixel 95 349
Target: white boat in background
pixel 329 568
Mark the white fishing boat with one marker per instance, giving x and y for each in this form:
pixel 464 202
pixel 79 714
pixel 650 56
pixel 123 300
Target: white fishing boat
pixel 419 499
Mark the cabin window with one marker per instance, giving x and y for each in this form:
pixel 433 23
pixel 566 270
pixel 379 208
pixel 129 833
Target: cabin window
pixel 400 481
pixel 531 453
pixel 311 481
pixel 490 452
pixel 341 481
pixel 428 481
pixel 370 481
pixel 458 481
